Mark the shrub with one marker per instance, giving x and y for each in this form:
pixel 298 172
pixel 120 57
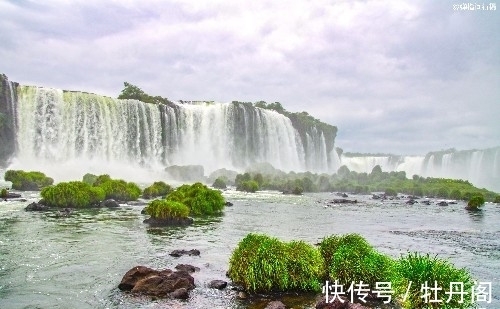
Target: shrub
pixel 89 178
pixel 350 259
pixel 200 199
pixel 158 188
pixel 455 194
pixel 118 189
pixel 163 209
pixel 75 194
pixel 419 269
pixel 219 183
pixel 390 192
pixel 248 186
pixel 3 193
pixel 265 264
pixel 27 181
pixel 497 199
pixel 475 202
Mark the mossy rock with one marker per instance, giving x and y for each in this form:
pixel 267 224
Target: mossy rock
pixel 73 194
pixel 28 181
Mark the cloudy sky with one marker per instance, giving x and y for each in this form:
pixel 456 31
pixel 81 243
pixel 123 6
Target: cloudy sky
pixel 403 77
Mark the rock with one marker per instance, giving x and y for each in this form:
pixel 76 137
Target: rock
pixel 344 201
pixel 411 202
pixel 341 194
pixel 228 204
pixel 186 267
pixel 337 304
pixel 242 295
pixel 442 203
pixel 36 207
pixel 276 304
pixel 146 281
pixel 178 253
pixel 217 284
pixel 356 306
pixel 426 202
pixel 181 293
pixel 12 195
pixel 169 221
pixel 110 203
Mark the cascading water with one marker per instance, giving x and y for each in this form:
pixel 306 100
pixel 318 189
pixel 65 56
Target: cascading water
pixel 67 134
pixel 480 167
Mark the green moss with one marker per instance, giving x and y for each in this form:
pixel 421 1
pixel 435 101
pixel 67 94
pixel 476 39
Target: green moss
pixel 158 188
pixel 163 209
pixel 27 181
pixel 75 194
pixel 265 264
pixel 200 199
pixel 418 269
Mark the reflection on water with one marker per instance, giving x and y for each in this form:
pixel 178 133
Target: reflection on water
pixel 53 261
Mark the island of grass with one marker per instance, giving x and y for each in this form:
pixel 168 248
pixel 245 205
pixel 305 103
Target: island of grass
pixel 187 200
pixel 27 181
pixel 265 265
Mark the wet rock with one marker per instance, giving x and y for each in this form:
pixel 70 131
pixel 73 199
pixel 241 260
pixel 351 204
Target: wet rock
pixel 341 194
pixel 166 283
pixel 228 204
pixel 169 221
pixel 178 253
pixel 242 295
pixel 217 284
pixel 344 201
pixel 426 202
pixel 411 202
pixel 336 304
pixel 276 304
pixel 110 203
pixel 186 267
pixel 442 203
pixel 36 207
pixel 181 293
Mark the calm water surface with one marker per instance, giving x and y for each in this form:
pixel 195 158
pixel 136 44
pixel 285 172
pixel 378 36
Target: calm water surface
pixel 77 262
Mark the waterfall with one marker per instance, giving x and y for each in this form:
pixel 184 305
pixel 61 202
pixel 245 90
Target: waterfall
pixel 480 167
pixel 67 134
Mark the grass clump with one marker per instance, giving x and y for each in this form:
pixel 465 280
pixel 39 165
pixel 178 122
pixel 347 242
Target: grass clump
pixel 351 259
pixel 419 269
pixel 497 199
pixel 200 199
pixel 163 209
pixel 265 264
pixel 74 194
pixel 158 188
pixel 4 193
pixel 118 189
pixel 28 181
pixel 248 186
pixel 475 202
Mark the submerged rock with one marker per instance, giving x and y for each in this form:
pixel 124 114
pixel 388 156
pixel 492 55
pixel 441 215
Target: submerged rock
pixel 217 284
pixel 187 268
pixel 36 207
pixel 159 283
pixel 178 253
pixel 110 203
pixel 442 203
pixel 275 304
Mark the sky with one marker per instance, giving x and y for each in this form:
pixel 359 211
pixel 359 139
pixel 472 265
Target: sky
pixel 400 77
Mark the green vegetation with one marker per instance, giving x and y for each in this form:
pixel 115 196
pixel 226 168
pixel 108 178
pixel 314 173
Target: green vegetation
pixel 220 183
pixel 475 202
pixel 158 188
pixel 200 199
pixel 89 178
pixel 421 269
pixel 4 193
pixel 163 209
pixel 350 258
pixel 265 264
pixel 345 180
pixel 135 93
pixel 497 199
pixel 27 181
pixel 118 189
pixel 75 194
pixel 248 186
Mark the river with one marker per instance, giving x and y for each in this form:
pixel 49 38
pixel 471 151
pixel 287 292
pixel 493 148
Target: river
pixel 78 261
